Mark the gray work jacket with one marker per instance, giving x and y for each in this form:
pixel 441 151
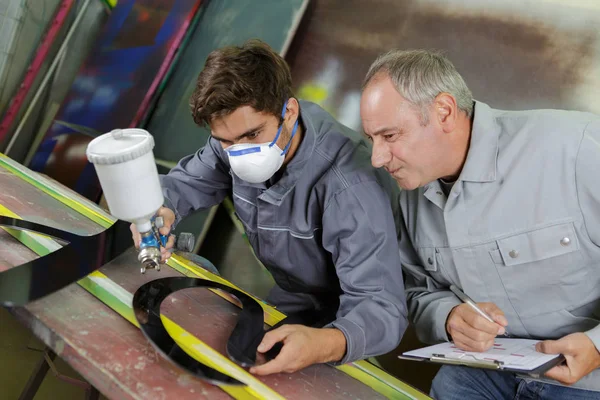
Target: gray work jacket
pixel 325 228
pixel 520 228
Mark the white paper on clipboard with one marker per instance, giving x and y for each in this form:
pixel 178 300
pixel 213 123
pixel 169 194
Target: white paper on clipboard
pixel 506 353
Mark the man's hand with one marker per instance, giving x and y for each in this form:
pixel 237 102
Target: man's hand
pixel 470 331
pixel 302 346
pixel 580 353
pixel 168 218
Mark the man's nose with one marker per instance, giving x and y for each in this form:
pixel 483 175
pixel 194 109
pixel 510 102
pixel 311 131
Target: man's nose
pixel 380 156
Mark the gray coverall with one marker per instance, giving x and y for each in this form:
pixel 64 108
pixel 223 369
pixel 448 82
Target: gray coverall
pixel 326 228
pixel 520 228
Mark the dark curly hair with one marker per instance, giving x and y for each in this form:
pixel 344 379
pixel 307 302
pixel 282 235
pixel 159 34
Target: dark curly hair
pixel 235 76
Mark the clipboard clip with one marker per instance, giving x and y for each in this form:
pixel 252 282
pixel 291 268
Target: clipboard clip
pixel 463 360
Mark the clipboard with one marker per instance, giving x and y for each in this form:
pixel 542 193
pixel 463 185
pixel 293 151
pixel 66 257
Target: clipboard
pixel 469 360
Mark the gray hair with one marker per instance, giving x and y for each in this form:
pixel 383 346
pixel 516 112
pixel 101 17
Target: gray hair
pixel 419 76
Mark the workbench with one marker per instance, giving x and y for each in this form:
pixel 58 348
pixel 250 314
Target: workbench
pixel 109 351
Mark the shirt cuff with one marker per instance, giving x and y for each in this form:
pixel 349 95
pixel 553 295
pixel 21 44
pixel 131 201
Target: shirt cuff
pixel 594 335
pixel 441 316
pixel 355 340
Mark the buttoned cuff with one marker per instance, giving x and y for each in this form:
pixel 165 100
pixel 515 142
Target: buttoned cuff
pixel 355 340
pixel 594 334
pixel 441 316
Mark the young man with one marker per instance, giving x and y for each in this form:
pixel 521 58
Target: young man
pixel 316 213
pixel 505 205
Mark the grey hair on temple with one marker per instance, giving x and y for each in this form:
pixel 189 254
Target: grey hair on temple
pixel 419 76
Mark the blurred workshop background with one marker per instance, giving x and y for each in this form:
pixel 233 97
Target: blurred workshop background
pixel 73 69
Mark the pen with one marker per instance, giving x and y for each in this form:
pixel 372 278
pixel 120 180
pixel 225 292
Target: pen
pixel 467 300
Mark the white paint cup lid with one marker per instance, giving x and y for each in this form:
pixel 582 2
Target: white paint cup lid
pixel 119 145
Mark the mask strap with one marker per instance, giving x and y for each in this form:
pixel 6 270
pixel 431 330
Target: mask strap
pixel 280 127
pixel 293 133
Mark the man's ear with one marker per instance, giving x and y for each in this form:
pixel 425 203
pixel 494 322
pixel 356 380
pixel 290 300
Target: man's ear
pixel 292 111
pixel 446 111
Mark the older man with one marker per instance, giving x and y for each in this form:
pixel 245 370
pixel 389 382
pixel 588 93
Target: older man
pixel 505 205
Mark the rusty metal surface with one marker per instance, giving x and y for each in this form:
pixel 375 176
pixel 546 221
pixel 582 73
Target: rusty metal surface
pixel 12 252
pixel 512 54
pixel 112 354
pixel 107 350
pixel 211 319
pixel 115 357
pixel 30 203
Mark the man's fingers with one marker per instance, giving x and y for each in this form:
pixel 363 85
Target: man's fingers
pixel 168 216
pixel 479 323
pixel 286 360
pixel 495 312
pixel 167 250
pixel 170 242
pixel 464 342
pixel 561 373
pixel 278 364
pixel 500 319
pixel 475 322
pixel 272 367
pixel 272 337
pixel 135 235
pixel 550 347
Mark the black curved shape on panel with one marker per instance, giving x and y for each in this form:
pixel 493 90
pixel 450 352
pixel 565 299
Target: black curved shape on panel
pixel 38 278
pixel 82 255
pixel 241 346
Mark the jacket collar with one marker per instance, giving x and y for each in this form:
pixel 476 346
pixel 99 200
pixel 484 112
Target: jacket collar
pixel 480 165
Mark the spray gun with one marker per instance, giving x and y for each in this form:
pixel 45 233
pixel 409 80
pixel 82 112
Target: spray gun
pixel 151 241
pixel 127 172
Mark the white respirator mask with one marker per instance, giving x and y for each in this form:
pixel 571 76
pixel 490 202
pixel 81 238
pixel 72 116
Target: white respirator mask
pixel 256 163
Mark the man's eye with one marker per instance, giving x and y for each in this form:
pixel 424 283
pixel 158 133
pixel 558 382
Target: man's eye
pixel 369 138
pixel 389 137
pixel 252 135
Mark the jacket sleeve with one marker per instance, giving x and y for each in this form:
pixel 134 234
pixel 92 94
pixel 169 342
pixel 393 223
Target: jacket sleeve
pixel 587 171
pixel 199 181
pixel 360 233
pixel 429 303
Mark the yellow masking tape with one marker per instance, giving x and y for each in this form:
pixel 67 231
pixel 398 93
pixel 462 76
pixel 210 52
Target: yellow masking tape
pixel 5 212
pixel 120 300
